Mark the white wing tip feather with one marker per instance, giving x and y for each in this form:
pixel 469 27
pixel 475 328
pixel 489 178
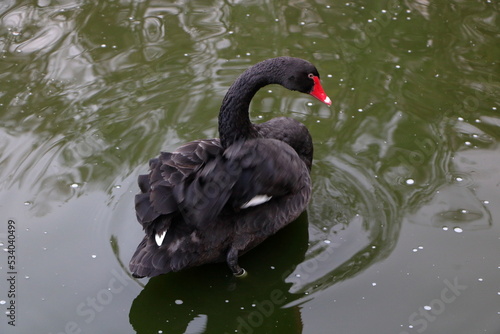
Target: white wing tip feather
pixel 159 238
pixel 257 200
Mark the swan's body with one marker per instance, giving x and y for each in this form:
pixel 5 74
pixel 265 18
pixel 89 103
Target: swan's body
pixel 212 200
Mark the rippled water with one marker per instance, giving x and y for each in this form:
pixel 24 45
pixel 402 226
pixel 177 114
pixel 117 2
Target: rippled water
pixel 403 231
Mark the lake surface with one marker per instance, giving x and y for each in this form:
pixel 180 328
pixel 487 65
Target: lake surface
pixel 402 234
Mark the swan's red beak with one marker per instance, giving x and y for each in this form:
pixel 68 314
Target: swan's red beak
pixel 319 93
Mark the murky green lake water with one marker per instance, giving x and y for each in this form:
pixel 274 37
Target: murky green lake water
pixel 403 231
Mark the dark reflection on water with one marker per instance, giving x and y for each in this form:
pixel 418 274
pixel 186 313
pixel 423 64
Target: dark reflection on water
pixel 89 91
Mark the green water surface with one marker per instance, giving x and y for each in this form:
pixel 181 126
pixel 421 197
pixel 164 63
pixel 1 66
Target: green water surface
pixel 402 234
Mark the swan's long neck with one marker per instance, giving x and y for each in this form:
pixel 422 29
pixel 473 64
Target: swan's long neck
pixel 234 120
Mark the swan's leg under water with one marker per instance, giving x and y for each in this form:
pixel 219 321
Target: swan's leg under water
pixel 232 261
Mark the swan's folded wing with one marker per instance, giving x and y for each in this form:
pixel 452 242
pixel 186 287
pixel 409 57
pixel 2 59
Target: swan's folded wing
pixel 204 194
pixel 248 174
pixel 269 168
pixel 199 180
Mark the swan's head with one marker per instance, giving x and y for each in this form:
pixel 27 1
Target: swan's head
pixel 302 76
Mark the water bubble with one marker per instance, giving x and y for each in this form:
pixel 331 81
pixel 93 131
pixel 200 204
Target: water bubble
pixel 458 230
pixel 28 203
pixel 427 307
pixel 94 256
pixel 459 179
pixel 480 279
pixel 374 284
pixel 327 241
pixel 103 45
pixel 486 202
pixel 360 110
pixel 309 104
pixel 179 302
pixel 410 181
pixel 74 185
pixel 445 228
pixel 117 186
pixel 397 66
pixel 2 302
pixel 461 119
pixel 414 250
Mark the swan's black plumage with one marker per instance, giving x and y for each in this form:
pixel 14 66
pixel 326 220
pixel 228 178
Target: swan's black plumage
pixel 195 205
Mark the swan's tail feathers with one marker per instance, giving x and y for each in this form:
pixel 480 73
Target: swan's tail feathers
pixel 149 260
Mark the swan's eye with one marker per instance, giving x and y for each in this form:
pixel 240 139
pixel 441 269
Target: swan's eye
pixel 310 75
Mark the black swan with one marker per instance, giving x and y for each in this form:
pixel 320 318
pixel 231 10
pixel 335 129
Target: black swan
pixel 212 200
